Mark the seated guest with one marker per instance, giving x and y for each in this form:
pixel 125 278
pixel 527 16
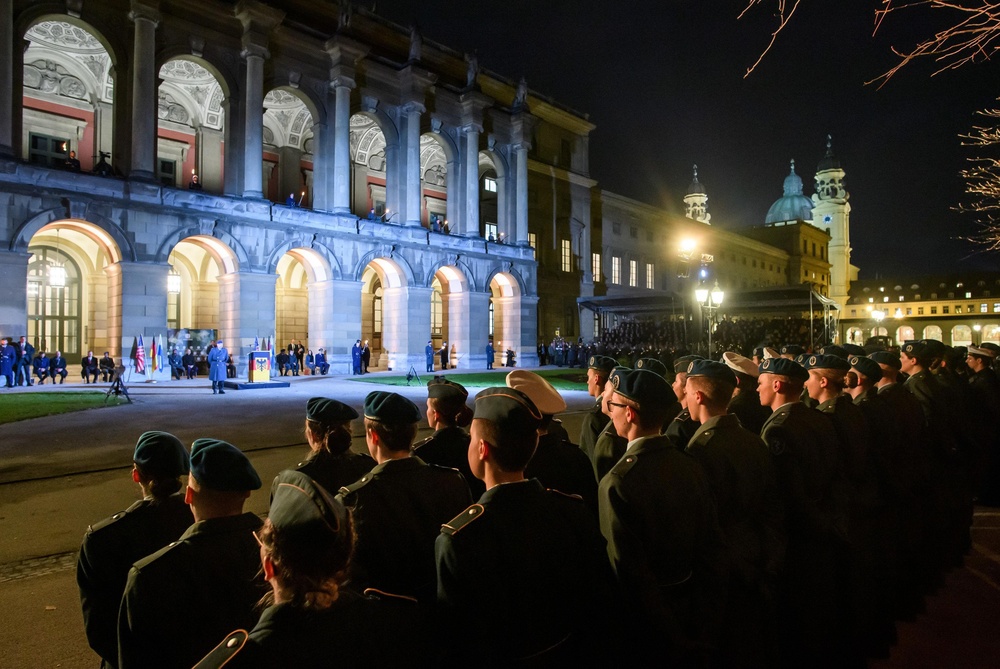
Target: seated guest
pixel 57 367
pixel 190 364
pixel 321 364
pixel 310 362
pixel 176 364
pixel 107 366
pixel 41 367
pixel 282 360
pixel 90 368
pixel 230 367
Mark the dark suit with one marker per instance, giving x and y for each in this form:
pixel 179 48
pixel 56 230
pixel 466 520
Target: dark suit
pixel 398 508
pixel 57 367
pixel 182 599
pixel 108 551
pixel 90 367
pixel 7 356
pixel 22 366
pixel 107 367
pixel 534 560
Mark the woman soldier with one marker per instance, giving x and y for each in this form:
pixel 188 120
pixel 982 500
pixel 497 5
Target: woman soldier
pixel 328 431
pixel 310 619
pixel 447 415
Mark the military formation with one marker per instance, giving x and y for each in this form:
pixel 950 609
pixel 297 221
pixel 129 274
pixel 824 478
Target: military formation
pixel 783 510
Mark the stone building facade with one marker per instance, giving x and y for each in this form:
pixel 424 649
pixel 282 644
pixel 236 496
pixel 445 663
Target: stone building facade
pixel 354 181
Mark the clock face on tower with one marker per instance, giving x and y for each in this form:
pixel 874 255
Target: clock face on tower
pixel 828 219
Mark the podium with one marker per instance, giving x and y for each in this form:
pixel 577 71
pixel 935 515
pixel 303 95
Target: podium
pixel 260 366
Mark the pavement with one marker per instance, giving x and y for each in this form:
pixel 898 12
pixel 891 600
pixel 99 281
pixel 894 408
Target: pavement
pixel 60 473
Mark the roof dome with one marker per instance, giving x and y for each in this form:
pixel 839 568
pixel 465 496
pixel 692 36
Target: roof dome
pixel 696 187
pixel 829 161
pixel 793 205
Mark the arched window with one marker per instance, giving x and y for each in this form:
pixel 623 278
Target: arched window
pixel 437 310
pixel 932 332
pixel 904 333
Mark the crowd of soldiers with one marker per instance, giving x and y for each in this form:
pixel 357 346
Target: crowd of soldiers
pixel 779 511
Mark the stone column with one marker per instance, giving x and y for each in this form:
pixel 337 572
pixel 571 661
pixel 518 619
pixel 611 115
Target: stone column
pixel 521 194
pixel 469 327
pixel 321 183
pixel 246 310
pixel 406 325
pixel 232 176
pixel 470 190
pixel 137 303
pixel 342 146
pixel 412 184
pixel 144 116
pixel 335 320
pixel 7 98
pixel 14 298
pixel 253 120
pixel 210 166
pixel 527 356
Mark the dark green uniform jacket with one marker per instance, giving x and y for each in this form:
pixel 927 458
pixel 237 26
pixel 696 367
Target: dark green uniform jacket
pixel 182 599
pixel 594 422
pixel 399 507
pixel 109 549
pixel 680 430
pixel 449 447
pixel 562 466
pixel 608 450
pixel 658 516
pixel 746 406
pixel 532 561
pixel 333 471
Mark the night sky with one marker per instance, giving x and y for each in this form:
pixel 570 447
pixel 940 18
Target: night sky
pixel 663 82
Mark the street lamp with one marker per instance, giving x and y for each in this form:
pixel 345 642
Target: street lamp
pixel 710 301
pixel 879 316
pixel 977 327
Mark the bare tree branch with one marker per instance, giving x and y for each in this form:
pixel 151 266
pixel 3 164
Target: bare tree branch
pixel 784 15
pixel 982 182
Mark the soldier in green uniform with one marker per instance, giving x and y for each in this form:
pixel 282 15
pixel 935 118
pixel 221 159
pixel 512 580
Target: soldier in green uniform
pixel 399 505
pixel 595 420
pixel 812 604
pixel 680 430
pixel 556 463
pixel 742 478
pixel 745 404
pixel 182 599
pixel 328 431
pixel 530 559
pixel 986 393
pixel 610 446
pixel 311 619
pixel 112 545
pixel 448 415
pixel 658 515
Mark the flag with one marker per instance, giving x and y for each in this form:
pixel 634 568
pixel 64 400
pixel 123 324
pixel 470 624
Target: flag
pixel 159 354
pixel 256 343
pixel 134 354
pixel 152 356
pixel 140 358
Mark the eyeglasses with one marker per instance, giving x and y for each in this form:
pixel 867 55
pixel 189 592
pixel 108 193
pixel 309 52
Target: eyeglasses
pixel 616 404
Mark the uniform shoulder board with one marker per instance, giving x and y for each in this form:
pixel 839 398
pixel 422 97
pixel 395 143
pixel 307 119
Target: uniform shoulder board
pixel 382 595
pixel 420 443
pixel 565 494
pixel 100 525
pixel 225 651
pixel 357 485
pixel 453 526
pixel 624 465
pixel 442 468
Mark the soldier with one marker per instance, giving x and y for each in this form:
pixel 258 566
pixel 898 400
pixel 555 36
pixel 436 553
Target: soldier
pixel 529 557
pixel 490 355
pixel 356 357
pixel 182 599
pixel 429 356
pixel 7 357
pixel 594 421
pixel 448 416
pixel 742 478
pixel 610 446
pixel 112 545
pixel 399 505
pixel 745 403
pixel 659 519
pixel 556 463
pixel 812 606
pixel 791 351
pixel 986 390
pixel 217 357
pixel 680 430
pixel 328 432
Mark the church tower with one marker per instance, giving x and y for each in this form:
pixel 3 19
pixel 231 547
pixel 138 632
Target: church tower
pixel 696 201
pixel 832 213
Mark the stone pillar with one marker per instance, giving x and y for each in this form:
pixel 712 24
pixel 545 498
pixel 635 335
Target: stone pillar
pixel 144 94
pixel 521 194
pixel 253 120
pixel 14 297
pixel 246 310
pixel 412 185
pixel 104 123
pixel 406 326
pixel 527 356
pixel 342 147
pixel 232 176
pixel 470 186
pixel 335 320
pixel 137 303
pixel 321 186
pixel 469 327
pixel 7 98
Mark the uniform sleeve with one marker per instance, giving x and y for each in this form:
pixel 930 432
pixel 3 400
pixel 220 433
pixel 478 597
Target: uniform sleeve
pixel 138 642
pixel 98 601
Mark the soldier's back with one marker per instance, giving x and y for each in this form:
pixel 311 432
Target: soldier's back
pixel 333 471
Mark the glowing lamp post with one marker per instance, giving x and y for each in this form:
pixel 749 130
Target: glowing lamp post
pixel 710 301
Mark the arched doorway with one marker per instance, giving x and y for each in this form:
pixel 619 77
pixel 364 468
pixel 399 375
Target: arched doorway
pixel 195 297
pixel 933 332
pixel 505 309
pixel 288 148
pixel 904 333
pixel 961 335
pixel 303 304
pixel 855 336
pixel 453 316
pixel 435 177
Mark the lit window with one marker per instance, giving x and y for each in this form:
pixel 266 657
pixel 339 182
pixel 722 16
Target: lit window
pixel 633 272
pixel 968 295
pixel 650 282
pixel 871 299
pixel 933 310
pixel 567 256
pixel 920 311
pixel 958 308
pixel 982 308
pixel 490 185
pixel 491 232
pixel 996 307
pixel 616 270
pixel 595 266
pixel 533 240
pixel 884 299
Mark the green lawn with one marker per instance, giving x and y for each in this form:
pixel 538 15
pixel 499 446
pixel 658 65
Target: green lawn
pixel 562 379
pixel 21 406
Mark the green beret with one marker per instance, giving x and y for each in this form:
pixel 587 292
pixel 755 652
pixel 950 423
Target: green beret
pixel 990 346
pixel 326 410
pixel 390 408
pixel 602 363
pixel 300 505
pixel 507 407
pixel 219 465
pixel 886 358
pixel 827 362
pixel 792 349
pixel 833 349
pixel 652 364
pixel 442 387
pixel 854 349
pixel 866 366
pixel 642 386
pixel 934 348
pixel 160 455
pixel 914 348
pixel 712 370
pixel 784 367
pixel 542 394
pixel 681 363
pixel 758 352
